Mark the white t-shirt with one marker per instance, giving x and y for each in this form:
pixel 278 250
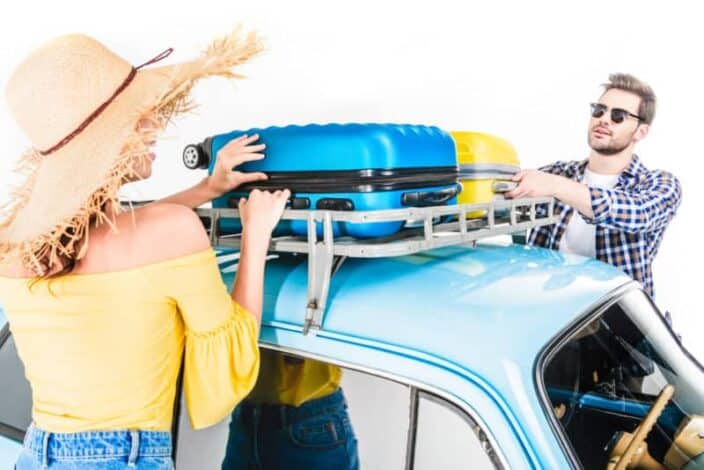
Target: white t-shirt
pixel 580 237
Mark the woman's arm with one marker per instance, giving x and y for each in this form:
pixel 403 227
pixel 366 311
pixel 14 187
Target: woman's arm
pixel 259 215
pixel 224 177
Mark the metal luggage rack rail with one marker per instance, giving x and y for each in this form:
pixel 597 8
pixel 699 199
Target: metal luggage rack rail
pixel 325 255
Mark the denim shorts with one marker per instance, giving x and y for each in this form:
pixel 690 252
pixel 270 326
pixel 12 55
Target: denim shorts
pixel 108 450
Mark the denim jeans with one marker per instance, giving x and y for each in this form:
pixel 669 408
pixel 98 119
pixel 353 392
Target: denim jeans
pixel 106 450
pixel 314 436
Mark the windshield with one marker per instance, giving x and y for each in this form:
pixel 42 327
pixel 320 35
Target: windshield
pixel 608 388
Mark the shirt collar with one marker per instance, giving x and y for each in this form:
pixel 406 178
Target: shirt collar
pixel 576 170
pixel 633 169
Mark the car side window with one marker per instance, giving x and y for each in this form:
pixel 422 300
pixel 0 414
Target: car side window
pixel 362 421
pixel 621 372
pixel 448 438
pixel 380 417
pixel 370 423
pixel 16 402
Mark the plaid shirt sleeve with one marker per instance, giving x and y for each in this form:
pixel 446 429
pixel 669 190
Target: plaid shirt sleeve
pixel 557 168
pixel 649 206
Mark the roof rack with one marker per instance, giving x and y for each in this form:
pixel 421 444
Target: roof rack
pixel 326 254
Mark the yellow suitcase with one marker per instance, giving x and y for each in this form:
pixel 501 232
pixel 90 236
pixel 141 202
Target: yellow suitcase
pixel 483 159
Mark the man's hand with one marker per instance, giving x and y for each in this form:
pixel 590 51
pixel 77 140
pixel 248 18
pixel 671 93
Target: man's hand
pixel 224 177
pixel 534 183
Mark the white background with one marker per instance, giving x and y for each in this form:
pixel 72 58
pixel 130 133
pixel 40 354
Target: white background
pixel 522 70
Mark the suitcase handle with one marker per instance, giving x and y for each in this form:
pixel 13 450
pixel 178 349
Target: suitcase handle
pixel 429 198
pixel 500 187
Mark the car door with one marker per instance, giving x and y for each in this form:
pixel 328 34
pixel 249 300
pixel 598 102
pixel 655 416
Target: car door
pixel 15 398
pixel 398 425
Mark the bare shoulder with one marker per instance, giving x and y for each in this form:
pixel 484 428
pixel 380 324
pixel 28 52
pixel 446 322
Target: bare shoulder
pixel 162 231
pixel 13 269
pixel 148 234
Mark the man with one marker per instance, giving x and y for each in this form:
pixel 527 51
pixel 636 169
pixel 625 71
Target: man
pixel 610 206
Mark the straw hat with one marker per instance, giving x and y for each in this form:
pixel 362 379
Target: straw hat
pixel 79 104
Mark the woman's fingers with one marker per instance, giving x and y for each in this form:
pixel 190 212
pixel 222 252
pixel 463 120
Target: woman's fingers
pixel 252 177
pixel 241 141
pixel 254 148
pixel 232 161
pixel 241 148
pixel 281 200
pixel 247 157
pixel 249 138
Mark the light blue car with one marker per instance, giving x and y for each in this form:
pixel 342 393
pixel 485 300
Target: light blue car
pixel 494 356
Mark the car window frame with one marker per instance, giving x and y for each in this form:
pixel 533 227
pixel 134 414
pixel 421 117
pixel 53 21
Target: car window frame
pixel 564 336
pixel 6 430
pixel 496 456
pixel 4 333
pixel 476 428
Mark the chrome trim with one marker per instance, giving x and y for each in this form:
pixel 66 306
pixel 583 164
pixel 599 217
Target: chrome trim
pixel 491 440
pixel 476 429
pixel 548 351
pixel 412 428
pixel 477 176
pixel 11 433
pixel 4 333
pixel 6 430
pixel 487 167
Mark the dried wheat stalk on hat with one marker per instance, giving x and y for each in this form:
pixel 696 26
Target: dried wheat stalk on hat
pixel 79 103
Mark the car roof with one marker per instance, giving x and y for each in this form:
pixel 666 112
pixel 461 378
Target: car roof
pixel 490 303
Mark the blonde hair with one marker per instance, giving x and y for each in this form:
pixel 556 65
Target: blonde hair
pixel 627 82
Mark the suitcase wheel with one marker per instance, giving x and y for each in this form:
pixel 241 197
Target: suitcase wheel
pixel 194 157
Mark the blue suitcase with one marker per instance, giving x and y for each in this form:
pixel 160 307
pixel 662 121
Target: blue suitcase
pixel 344 167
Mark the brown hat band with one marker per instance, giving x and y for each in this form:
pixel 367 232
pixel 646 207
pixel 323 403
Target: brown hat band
pixel 102 107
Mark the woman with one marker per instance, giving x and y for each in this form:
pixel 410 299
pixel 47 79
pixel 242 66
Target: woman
pixel 104 304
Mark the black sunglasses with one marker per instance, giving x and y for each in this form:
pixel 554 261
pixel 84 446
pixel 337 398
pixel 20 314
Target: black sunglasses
pixel 618 115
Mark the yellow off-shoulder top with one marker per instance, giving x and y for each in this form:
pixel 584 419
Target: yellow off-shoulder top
pixel 102 351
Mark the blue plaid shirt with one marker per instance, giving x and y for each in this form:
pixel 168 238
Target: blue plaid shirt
pixel 630 219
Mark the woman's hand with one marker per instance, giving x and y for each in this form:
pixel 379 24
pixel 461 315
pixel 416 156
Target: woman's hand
pixel 261 212
pixel 259 215
pixel 224 177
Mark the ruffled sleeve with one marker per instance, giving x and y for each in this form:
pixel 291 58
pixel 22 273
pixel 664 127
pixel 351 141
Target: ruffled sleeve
pixel 221 354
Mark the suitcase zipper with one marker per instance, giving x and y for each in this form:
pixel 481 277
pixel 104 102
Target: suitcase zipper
pixel 356 181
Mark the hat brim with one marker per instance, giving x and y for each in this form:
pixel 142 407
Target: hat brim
pixel 66 179
pixel 65 188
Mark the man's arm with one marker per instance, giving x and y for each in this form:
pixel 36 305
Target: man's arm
pixel 575 195
pixel 649 207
